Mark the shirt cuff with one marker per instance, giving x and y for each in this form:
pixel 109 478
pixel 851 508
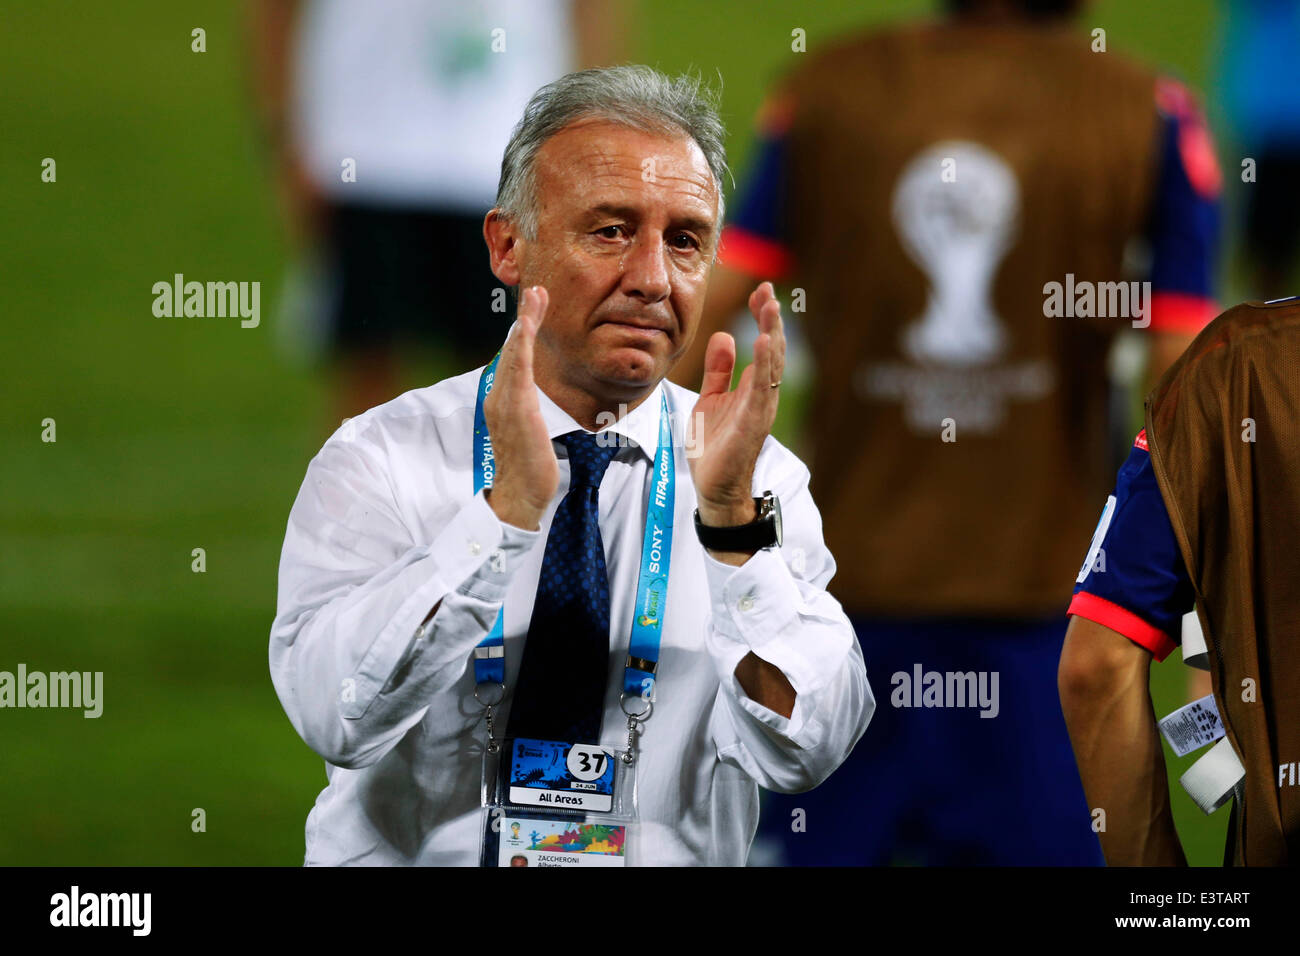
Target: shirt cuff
pixel 486 547
pixel 1122 621
pixel 757 607
pixel 796 728
pixel 476 556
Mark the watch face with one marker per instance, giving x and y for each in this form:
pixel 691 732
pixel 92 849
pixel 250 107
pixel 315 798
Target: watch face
pixel 776 518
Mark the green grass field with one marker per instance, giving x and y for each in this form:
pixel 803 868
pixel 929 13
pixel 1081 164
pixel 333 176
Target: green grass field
pixel 176 434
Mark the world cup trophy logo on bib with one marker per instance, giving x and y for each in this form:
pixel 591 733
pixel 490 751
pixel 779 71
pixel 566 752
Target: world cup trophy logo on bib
pixel 956 208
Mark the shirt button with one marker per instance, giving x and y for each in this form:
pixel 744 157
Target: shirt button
pixel 475 547
pixel 746 603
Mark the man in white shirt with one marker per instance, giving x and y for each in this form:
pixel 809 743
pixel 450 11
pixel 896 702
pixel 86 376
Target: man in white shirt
pixel 395 568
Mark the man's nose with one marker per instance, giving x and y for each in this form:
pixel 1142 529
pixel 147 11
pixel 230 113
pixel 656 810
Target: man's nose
pixel 645 268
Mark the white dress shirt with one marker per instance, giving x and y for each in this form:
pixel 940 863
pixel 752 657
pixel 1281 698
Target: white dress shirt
pixel 386 525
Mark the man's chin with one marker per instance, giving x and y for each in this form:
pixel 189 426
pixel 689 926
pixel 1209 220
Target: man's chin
pixel 630 369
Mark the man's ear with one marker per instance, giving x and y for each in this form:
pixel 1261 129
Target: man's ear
pixel 502 240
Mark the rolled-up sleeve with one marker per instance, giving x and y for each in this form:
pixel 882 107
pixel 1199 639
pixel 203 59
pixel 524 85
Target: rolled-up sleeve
pixel 776 606
pixel 353 658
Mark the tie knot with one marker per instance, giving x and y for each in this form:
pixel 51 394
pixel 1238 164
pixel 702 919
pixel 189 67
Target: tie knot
pixel 589 457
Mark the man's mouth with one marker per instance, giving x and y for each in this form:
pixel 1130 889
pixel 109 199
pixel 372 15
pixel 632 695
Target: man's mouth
pixel 646 327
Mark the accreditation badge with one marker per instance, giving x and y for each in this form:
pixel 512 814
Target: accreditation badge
pixel 557 804
pixel 547 773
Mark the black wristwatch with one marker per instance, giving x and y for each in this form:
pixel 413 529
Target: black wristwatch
pixel 761 533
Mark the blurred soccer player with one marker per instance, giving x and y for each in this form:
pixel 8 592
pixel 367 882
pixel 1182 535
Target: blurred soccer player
pixel 1261 99
pixel 1206 508
pixel 388 119
pixel 925 187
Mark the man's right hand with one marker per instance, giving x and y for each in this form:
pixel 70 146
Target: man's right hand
pixel 527 472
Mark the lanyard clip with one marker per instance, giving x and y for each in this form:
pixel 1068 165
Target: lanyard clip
pixel 637 708
pixel 489 695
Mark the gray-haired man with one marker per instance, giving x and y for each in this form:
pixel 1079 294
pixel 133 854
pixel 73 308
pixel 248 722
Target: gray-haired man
pixel 444 596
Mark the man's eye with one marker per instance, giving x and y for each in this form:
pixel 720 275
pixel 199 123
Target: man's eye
pixel 609 232
pixel 684 240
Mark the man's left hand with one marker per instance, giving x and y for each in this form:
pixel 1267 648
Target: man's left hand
pixel 727 431
pixel 728 426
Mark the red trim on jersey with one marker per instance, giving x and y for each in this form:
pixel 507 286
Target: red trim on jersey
pixel 1202 166
pixel 1180 312
pixel 1141 441
pixel 1195 147
pixel 1125 622
pixel 752 254
pixel 775 116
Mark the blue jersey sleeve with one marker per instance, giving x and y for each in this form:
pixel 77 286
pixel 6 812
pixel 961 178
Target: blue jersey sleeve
pixel 1133 579
pixel 1185 216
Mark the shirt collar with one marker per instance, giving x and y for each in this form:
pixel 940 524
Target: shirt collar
pixel 641 425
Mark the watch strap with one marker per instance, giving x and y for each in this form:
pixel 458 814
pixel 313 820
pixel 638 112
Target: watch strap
pixel 754 536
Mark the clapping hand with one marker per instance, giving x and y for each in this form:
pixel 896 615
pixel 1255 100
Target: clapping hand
pixel 728 426
pixel 527 473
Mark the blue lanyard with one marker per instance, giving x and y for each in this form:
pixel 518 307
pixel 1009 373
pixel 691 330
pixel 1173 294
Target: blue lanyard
pixel 656 552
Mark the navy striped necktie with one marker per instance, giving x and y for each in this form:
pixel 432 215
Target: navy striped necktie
pixel 560 693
